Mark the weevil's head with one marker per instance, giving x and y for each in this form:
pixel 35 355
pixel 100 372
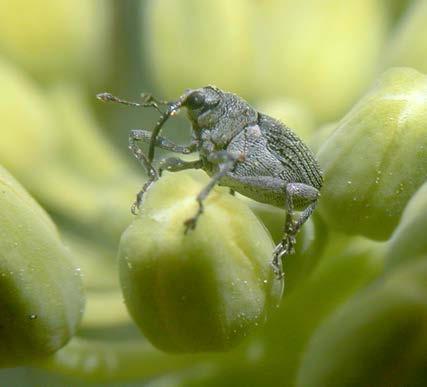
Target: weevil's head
pixel 211 109
pixel 203 101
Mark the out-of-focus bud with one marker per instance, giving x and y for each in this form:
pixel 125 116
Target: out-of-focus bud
pixel 54 38
pixel 409 239
pixel 378 330
pixel 377 157
pixel 41 297
pixel 291 113
pixel 320 135
pixel 27 134
pixel 322 53
pixel 193 43
pixel 408 47
pixel 335 279
pixel 51 142
pixel 201 291
pixel 305 50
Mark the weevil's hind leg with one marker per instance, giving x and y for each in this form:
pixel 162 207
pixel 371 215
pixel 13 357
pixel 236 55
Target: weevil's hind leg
pixel 152 173
pixel 294 191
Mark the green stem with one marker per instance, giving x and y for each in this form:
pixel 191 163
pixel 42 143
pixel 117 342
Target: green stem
pixel 105 309
pixel 103 360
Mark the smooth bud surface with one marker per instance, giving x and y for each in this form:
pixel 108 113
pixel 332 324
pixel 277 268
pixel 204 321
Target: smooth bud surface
pixel 377 157
pixel 409 239
pixel 41 297
pixel 378 338
pixel 200 291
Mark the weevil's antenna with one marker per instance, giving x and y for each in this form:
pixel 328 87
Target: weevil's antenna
pixel 173 107
pixel 147 101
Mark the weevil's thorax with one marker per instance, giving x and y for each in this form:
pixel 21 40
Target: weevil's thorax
pixel 221 117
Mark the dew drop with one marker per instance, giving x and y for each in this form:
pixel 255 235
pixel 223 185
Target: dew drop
pixel 32 316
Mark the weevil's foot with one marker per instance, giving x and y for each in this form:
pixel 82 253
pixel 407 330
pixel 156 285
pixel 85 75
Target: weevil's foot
pixel 190 224
pixel 277 268
pixel 135 208
pixel 285 247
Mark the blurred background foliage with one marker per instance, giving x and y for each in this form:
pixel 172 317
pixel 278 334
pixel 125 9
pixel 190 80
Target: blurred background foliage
pixel 306 62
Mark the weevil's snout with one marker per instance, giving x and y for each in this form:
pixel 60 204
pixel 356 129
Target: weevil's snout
pixel 205 97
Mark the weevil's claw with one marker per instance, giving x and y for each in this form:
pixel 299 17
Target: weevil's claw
pixel 277 269
pixel 285 247
pixel 190 224
pixel 135 208
pixel 106 97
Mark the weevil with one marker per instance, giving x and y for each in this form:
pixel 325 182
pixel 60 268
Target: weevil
pixel 239 147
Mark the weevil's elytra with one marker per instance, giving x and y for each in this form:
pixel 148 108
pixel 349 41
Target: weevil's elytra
pixel 240 148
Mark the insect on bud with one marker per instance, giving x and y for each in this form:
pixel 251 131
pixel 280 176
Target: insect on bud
pixel 377 157
pixel 200 291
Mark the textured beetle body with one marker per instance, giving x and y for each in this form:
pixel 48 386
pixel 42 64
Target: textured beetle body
pixel 240 148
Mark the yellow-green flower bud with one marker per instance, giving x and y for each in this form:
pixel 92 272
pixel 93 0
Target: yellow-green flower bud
pixel 378 338
pixel 27 135
pixel 377 157
pixel 322 53
pixel 409 239
pixel 54 38
pixel 201 291
pixel 41 297
pixel 209 41
pixel 409 44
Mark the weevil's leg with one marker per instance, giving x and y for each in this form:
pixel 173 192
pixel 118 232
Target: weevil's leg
pixel 232 192
pixel 224 169
pixel 147 97
pixel 294 192
pixel 162 142
pixel 152 173
pixel 174 164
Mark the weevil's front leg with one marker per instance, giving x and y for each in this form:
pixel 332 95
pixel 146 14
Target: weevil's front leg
pixel 175 164
pixel 294 192
pixel 152 173
pixel 163 143
pixel 145 136
pixel 227 162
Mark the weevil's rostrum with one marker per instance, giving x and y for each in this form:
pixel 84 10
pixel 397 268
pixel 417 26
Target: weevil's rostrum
pixel 240 148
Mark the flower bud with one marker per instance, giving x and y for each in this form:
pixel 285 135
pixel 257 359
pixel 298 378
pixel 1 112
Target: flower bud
pixel 54 38
pixel 41 297
pixel 222 27
pixel 377 157
pixel 408 47
pixel 322 53
pixel 28 135
pixel 409 239
pixel 335 279
pixel 378 337
pixel 200 291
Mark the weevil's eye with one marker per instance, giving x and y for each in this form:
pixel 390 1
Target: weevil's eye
pixel 195 100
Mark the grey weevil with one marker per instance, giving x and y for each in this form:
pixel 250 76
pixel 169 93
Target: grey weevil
pixel 240 148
